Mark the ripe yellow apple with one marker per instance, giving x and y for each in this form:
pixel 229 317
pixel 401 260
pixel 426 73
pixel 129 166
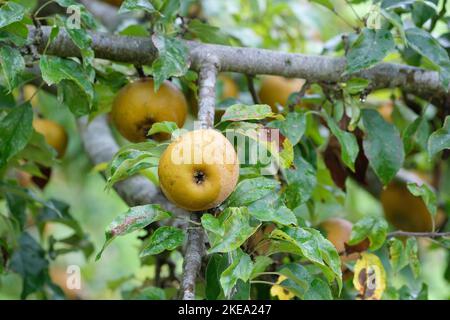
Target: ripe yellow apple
pixel 386 109
pixel 199 170
pixel 59 277
pixel 276 90
pixel 407 212
pixel 337 231
pixel 137 107
pixel 30 93
pixel 54 134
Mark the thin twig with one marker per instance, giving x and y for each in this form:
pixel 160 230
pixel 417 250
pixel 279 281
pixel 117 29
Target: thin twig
pixel 439 16
pixel 299 96
pixel 251 88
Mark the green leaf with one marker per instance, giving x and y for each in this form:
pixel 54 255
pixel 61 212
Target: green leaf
pixel 55 69
pixel 421 12
pixel 164 126
pixel 426 193
pixel 15 131
pixel 136 218
pixel 440 139
pixel 293 127
pixel 207 33
pixel 15 33
pixel 397 255
pixel 169 10
pixel 7 100
pixel 326 3
pixel 260 265
pixel 241 268
pixel 269 209
pixel 131 159
pixel 83 40
pixel 164 238
pixel 349 145
pixel 318 290
pixel 130 5
pixel 370 227
pixel 298 279
pixel 172 59
pixel 423 43
pixel 147 293
pixel 12 64
pixel 382 146
pixel 242 112
pixel 314 247
pixel 77 241
pixel 356 85
pixel 370 48
pixel 216 265
pixel 29 261
pixel 412 252
pixel 11 12
pixel 235 228
pixel 250 190
pixel 301 182
pixel 395 20
pixel 38 150
pixel 415 134
pixel 17 208
pixel 74 97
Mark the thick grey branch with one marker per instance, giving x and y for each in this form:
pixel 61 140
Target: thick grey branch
pixel 101 147
pixel 140 50
pixel 207 90
pixel 419 234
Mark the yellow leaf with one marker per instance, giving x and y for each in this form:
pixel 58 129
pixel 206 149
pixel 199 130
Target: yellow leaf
pixel 102 166
pixel 370 277
pixel 280 292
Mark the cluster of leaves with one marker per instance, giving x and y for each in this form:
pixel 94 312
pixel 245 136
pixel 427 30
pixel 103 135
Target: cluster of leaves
pixel 26 215
pixel 287 200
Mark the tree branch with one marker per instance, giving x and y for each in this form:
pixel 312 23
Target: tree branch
pixel 251 89
pixel 207 90
pixel 101 147
pixel 140 50
pixel 418 234
pixel 195 248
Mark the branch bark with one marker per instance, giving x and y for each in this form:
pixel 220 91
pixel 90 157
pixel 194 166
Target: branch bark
pixel 194 253
pixel 419 234
pixel 140 50
pixel 195 248
pixel 101 147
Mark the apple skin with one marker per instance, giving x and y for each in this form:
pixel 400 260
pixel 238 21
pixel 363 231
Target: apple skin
pixel 337 231
pixel 199 170
pixel 54 134
pixel 275 90
pixel 137 107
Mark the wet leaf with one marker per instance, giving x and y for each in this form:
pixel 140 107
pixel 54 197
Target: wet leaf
pixel 164 238
pixel 135 219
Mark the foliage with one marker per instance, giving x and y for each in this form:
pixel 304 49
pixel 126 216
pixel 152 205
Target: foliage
pixel 264 240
